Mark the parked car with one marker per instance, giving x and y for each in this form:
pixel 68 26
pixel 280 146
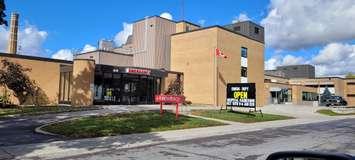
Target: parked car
pixel 335 101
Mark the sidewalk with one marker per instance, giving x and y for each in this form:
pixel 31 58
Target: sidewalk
pixel 61 149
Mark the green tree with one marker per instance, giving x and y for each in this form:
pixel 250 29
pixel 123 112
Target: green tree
pixel 350 75
pixel 14 77
pixel 2 13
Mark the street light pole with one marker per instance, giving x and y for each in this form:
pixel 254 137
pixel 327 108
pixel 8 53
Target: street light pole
pixel 318 93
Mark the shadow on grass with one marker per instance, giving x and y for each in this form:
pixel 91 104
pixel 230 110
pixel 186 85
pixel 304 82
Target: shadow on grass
pixel 40 110
pixel 125 123
pixel 71 147
pixel 243 113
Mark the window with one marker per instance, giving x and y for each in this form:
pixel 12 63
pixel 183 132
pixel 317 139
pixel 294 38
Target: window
pixel 236 28
pixel 256 30
pixel 244 52
pixel 244 72
pixel 309 96
pixel 187 28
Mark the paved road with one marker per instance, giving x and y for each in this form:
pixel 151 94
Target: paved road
pixel 14 131
pixel 326 136
pixel 20 130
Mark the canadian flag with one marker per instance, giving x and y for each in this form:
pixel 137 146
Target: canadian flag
pixel 220 54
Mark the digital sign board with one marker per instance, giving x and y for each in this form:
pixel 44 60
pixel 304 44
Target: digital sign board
pixel 241 95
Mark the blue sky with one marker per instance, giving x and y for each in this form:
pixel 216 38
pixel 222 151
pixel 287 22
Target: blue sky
pixel 72 24
pixel 303 31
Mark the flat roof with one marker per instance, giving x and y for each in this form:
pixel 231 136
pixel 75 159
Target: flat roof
pixel 216 26
pixel 183 21
pixel 100 50
pixel 275 76
pixel 296 65
pixel 156 16
pixel 10 55
pixel 152 69
pixel 247 21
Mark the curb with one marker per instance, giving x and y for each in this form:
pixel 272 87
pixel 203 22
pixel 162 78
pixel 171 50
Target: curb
pixel 39 129
pixel 134 145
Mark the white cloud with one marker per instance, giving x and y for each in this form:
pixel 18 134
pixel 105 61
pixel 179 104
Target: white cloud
pixel 30 40
pixel 166 15
pixel 121 37
pixel 68 54
pixel 335 59
pixel 242 17
pixel 201 22
pixel 4 36
pixel 292 25
pixel 279 60
pixel 293 60
pixel 88 48
pixel 64 54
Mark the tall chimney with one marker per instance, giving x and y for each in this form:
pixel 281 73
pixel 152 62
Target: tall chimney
pixel 12 46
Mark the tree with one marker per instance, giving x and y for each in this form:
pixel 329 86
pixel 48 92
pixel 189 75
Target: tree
pixel 350 75
pixel 14 77
pixel 2 13
pixel 175 87
pixel 326 95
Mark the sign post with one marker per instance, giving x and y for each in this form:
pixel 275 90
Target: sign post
pixel 169 99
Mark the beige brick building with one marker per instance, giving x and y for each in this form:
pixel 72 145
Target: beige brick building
pixel 160 52
pixel 280 90
pixel 205 75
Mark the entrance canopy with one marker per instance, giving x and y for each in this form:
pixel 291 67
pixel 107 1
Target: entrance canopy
pixel 126 85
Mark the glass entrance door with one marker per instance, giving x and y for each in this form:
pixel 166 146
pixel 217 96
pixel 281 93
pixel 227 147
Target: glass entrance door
pixel 118 88
pixel 129 93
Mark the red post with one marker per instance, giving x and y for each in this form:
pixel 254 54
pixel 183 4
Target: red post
pixel 177 111
pixel 161 108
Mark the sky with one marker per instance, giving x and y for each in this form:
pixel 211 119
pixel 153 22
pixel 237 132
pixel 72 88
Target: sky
pixel 317 32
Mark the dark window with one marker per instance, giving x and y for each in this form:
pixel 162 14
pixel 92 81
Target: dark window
pixel 187 28
pixel 151 25
pixel 256 30
pixel 244 72
pixel 236 28
pixel 244 52
pixel 351 95
pixel 309 96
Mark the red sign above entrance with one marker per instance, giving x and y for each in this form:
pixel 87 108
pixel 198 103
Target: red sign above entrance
pixel 168 99
pixel 138 71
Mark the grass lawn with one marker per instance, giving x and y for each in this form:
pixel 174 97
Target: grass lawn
pixel 331 113
pixel 4 112
pixel 238 116
pixel 126 123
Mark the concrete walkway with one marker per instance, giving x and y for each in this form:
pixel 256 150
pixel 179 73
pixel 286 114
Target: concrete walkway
pixel 298 111
pixel 60 149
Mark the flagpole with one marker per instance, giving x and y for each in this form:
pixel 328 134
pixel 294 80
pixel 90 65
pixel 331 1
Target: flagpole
pixel 216 77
